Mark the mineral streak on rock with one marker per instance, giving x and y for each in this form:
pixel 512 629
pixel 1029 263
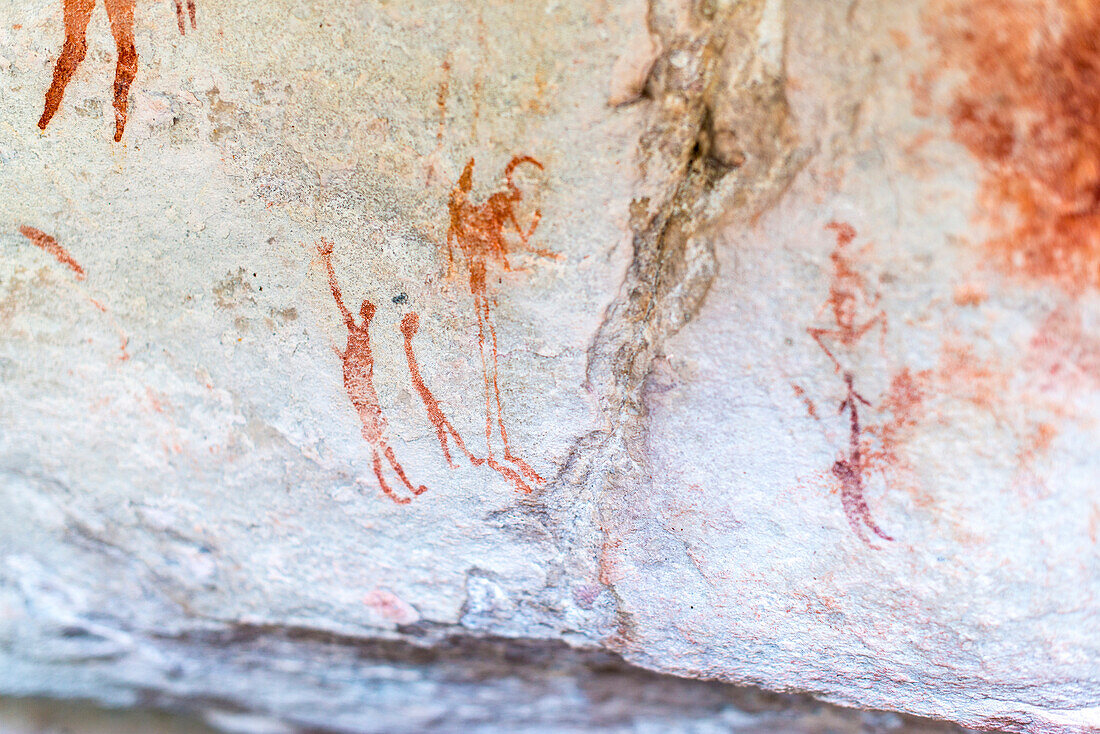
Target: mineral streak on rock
pixel 1029 111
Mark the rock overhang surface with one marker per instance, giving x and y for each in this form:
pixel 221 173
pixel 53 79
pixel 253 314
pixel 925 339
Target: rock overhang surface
pixel 752 341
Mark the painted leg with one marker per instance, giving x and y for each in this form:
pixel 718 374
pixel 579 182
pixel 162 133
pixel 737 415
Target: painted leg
pixel 401 473
pixel 76 16
pixel 527 471
pixel 121 15
pixel 382 481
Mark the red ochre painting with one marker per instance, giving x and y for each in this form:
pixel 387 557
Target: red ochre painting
pixel 120 14
pixel 358 362
pixel 854 314
pixel 479 232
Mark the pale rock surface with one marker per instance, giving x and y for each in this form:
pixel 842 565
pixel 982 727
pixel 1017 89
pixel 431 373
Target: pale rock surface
pixel 798 426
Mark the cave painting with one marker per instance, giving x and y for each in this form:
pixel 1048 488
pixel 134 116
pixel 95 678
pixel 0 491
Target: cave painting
pixel 854 314
pixel 479 232
pixel 120 13
pixel 49 244
pixel 359 382
pixel 443 427
pixel 1023 98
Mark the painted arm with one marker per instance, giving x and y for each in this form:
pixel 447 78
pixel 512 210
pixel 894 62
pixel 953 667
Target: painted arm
pixel 450 251
pixel 325 249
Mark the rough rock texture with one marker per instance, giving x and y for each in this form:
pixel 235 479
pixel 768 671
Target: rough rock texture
pixel 746 340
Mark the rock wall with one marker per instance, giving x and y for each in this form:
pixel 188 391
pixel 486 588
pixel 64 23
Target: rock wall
pixel 747 340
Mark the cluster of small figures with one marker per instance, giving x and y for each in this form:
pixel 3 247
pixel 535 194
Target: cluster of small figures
pixel 478 230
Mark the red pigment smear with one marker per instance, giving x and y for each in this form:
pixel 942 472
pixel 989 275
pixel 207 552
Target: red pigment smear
pixel 441 101
pixel 44 241
pixel 848 296
pixel 1029 112
pixel 811 409
pixel 441 104
pixel 443 427
pixel 478 229
pixel 1064 355
pixel 359 383
pixel 904 401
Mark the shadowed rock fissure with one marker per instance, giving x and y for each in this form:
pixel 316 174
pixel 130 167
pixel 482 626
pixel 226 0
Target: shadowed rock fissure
pixel 717 150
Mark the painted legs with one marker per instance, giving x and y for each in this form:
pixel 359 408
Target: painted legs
pixel 76 16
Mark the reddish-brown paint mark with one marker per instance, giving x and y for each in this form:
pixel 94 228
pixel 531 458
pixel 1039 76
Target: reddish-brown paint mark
pixel 120 13
pixel 441 100
pixel 850 469
pixel 443 427
pixel 359 383
pixel 1029 111
pixel 441 105
pixel 478 230
pixel 811 409
pixel 123 339
pixel 50 245
pixel 190 13
pixel 849 299
pixel 45 242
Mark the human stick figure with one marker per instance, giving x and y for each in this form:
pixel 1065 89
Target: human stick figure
pixel 478 230
pixel 359 383
pixel 120 14
pixel 848 299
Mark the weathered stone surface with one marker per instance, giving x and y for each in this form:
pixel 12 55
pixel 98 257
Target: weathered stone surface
pixel 749 341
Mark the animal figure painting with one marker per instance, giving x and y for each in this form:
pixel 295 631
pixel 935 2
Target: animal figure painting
pixel 479 232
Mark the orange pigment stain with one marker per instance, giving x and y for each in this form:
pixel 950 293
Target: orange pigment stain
pixel 120 13
pixel 904 401
pixel 1064 355
pixel 359 383
pixel 443 427
pixel 1029 112
pixel 478 230
pixel 45 242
